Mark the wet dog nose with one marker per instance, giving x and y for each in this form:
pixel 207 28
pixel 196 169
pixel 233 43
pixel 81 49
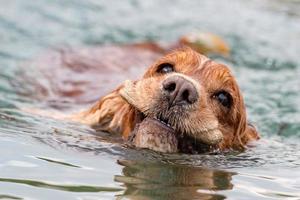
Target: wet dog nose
pixel 179 91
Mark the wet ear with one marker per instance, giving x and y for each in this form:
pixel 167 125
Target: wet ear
pixel 245 132
pixel 245 135
pixel 111 114
pixel 251 132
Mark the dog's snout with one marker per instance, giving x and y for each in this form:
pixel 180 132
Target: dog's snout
pixel 179 91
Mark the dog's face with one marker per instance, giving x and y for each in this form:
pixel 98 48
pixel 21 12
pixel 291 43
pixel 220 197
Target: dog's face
pixel 193 98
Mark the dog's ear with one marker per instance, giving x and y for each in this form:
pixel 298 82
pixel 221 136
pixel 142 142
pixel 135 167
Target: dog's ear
pixel 111 114
pixel 245 132
pixel 251 132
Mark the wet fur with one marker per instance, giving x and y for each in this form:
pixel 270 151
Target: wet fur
pixel 115 114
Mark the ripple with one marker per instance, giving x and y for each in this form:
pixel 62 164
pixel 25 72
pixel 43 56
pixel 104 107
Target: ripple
pixel 3 196
pixel 70 188
pixel 264 42
pixel 58 162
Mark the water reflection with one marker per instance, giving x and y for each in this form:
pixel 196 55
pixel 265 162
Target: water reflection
pixel 167 181
pixel 70 188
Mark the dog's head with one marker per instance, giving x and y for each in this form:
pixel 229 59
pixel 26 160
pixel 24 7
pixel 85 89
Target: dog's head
pixel 192 97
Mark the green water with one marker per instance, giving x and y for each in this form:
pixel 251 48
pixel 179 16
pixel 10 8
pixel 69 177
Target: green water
pixel 43 158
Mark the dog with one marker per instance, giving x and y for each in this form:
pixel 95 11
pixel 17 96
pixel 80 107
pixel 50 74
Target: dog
pixel 184 102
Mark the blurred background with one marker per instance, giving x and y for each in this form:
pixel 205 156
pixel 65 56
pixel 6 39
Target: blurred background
pixel 43 158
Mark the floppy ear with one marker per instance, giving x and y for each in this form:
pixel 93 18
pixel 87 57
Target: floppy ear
pixel 245 131
pixel 251 132
pixel 111 114
pixel 245 135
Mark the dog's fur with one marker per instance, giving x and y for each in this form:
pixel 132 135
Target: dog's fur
pixel 80 76
pixel 116 112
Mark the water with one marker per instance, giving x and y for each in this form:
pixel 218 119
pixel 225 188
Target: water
pixel 42 158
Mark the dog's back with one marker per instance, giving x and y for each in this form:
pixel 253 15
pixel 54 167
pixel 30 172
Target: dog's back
pixel 81 76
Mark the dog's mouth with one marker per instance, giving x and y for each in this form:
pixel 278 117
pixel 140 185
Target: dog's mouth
pixel 159 135
pixel 163 129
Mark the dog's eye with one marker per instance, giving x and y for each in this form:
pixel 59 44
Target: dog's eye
pixel 165 68
pixel 224 98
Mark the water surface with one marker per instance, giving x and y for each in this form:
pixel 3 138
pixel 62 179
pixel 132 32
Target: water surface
pixel 42 158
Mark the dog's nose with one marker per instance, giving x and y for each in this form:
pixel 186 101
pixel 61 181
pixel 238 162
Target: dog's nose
pixel 179 91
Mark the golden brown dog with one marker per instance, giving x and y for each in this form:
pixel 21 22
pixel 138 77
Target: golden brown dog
pixel 184 102
pixel 184 94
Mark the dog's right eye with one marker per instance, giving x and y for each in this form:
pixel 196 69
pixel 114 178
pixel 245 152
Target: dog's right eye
pixel 165 68
pixel 224 98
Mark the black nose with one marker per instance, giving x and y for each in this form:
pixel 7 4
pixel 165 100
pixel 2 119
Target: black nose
pixel 179 91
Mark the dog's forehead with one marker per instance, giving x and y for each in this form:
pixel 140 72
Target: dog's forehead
pixel 217 73
pixel 194 64
pixel 198 66
pixel 186 59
